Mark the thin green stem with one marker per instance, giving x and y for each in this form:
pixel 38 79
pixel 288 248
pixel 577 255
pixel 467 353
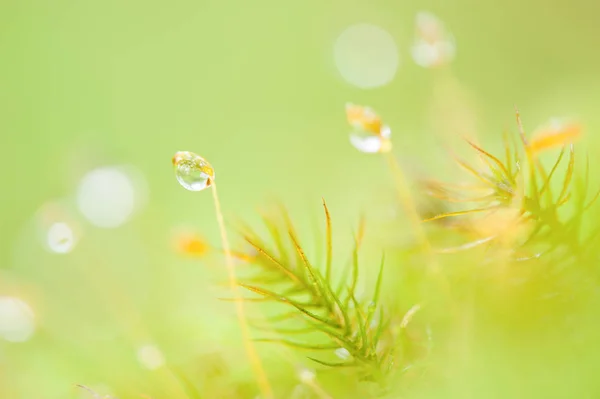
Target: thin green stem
pixel 257 366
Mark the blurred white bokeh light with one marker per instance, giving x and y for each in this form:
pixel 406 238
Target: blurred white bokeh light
pixel 107 196
pixel 366 56
pixel 150 357
pixel 343 353
pixel 60 238
pixel 56 226
pixel 16 320
pixel 433 45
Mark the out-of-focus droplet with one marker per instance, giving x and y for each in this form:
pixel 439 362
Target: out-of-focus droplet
pixel 432 54
pixel 16 320
pixel 374 323
pixel 307 376
pixel 556 133
pixel 369 143
pixel 193 172
pixel 369 134
pixel 107 196
pixel 57 226
pixel 60 238
pixel 342 353
pixel 150 357
pixel 366 56
pixel 372 307
pixel 433 45
pixel 364 118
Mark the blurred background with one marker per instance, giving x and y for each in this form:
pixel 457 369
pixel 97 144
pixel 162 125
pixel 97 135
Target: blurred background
pixel 96 97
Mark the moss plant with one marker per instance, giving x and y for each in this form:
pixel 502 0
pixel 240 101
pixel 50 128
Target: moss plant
pixel 498 289
pixel 512 210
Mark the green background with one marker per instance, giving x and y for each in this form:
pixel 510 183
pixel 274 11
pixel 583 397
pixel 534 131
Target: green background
pixel 251 86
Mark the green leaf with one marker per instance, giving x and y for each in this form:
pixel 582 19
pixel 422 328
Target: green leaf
pixel 277 239
pixel 381 326
pixel 274 261
pixel 568 175
pixel 318 285
pixel 298 344
pixel 491 157
pixel 460 213
pixel 302 307
pixel 372 307
pixel 548 179
pixel 329 243
pixel 343 339
pixel 364 340
pixel 331 364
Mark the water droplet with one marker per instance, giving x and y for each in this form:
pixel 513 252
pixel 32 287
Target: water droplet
pixel 193 172
pixel 307 376
pixel 16 320
pixel 150 357
pixel 369 134
pixel 342 353
pixel 364 118
pixel 56 226
pixel 368 143
pixel 374 323
pixel 433 45
pixel 366 56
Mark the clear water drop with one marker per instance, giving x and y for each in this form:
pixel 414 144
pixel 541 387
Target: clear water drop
pixel 193 172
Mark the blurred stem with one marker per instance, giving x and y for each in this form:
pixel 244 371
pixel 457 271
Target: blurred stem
pixel 410 209
pixel 263 382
